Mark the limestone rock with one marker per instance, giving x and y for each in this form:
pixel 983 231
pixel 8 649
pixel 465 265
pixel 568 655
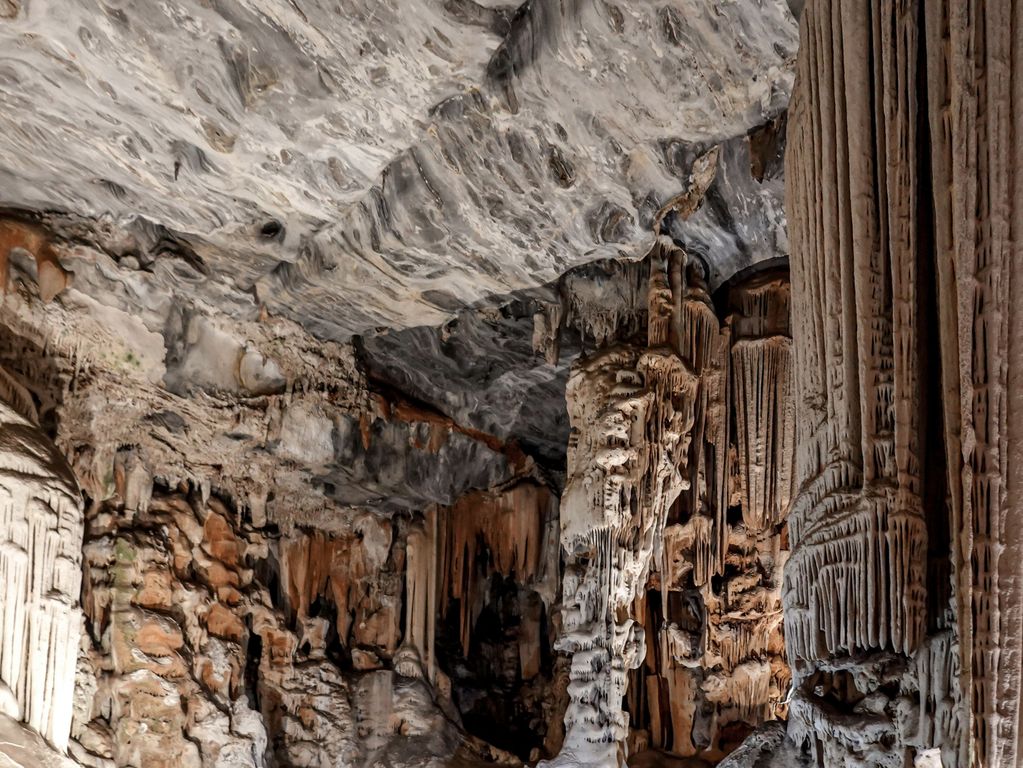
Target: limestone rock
pixel 424 383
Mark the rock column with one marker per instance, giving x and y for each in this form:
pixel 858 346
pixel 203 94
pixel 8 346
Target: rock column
pixel 632 413
pixel 905 211
pixel 40 576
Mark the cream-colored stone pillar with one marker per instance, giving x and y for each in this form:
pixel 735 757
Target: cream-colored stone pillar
pixel 41 527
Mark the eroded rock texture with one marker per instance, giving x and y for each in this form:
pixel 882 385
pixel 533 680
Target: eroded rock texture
pixel 902 589
pixel 215 643
pixel 358 164
pixel 300 290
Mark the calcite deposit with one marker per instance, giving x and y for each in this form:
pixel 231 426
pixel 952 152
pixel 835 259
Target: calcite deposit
pixel 714 606
pixel 41 572
pixel 633 415
pixel 901 593
pixel 323 572
pixel 673 518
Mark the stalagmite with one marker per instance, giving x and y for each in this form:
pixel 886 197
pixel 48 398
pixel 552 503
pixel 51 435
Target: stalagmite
pixel 632 415
pixel 649 459
pixel 40 578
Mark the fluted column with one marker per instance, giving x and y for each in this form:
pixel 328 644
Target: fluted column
pixel 905 211
pixel 40 576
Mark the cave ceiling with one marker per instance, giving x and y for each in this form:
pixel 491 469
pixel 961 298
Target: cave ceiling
pixel 363 163
pixel 423 176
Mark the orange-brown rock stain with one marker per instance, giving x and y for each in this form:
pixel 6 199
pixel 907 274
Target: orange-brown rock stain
pixel 509 526
pixel 52 277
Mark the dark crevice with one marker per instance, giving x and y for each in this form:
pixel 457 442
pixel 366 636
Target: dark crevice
pixel 935 495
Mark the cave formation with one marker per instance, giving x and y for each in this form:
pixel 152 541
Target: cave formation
pixel 579 384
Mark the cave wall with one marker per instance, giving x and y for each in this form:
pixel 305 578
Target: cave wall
pixel 296 289
pixel 305 549
pixel 285 565
pixel 245 570
pixel 214 642
pixel 282 562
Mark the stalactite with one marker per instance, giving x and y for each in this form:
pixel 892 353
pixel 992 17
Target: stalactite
pixel 40 574
pixel 453 556
pixel 718 580
pixel 765 427
pixel 700 342
pixel 339 569
pixel 487 533
pixel 854 583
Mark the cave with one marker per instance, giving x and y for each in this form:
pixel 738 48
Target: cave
pixel 462 383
